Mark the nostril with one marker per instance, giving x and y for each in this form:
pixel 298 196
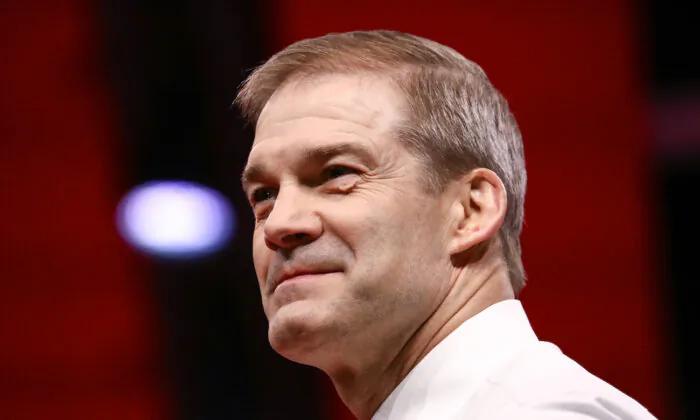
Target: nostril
pixel 294 238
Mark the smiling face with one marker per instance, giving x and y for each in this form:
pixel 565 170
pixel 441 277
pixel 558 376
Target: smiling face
pixel 349 248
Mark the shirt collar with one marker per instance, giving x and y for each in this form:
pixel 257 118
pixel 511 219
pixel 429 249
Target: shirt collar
pixel 452 371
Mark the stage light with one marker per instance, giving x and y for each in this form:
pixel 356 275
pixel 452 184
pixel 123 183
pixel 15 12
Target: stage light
pixel 176 219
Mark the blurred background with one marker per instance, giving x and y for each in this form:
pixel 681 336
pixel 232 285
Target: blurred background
pixel 107 312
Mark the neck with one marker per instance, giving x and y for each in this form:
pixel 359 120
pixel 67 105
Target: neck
pixel 474 288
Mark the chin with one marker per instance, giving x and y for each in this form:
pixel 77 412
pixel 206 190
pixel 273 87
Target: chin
pixel 298 331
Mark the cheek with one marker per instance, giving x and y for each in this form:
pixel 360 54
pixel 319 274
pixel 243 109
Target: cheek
pixel 403 235
pixel 261 258
pixel 376 223
pixel 375 236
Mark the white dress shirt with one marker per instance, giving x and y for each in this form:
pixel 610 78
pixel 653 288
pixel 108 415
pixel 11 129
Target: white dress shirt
pixel 494 367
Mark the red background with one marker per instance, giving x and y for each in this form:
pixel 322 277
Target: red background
pixel 77 329
pixel 76 321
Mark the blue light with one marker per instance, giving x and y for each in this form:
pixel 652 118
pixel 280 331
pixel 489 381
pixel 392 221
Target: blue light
pixel 176 219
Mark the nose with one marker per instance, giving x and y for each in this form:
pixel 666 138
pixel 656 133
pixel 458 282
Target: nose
pixel 292 222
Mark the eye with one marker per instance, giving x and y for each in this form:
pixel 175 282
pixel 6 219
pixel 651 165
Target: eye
pixel 262 194
pixel 338 171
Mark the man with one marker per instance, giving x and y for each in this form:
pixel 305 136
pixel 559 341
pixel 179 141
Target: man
pixel 387 180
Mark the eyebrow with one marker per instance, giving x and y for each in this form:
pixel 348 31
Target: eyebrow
pixel 256 172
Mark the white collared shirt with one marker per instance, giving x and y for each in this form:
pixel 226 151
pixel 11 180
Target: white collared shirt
pixel 494 367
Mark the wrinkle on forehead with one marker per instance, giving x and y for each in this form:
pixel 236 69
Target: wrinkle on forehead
pixel 351 103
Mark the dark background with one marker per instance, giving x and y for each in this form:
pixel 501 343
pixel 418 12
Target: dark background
pixel 98 97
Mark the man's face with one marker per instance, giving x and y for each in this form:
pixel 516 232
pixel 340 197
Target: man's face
pixel 349 248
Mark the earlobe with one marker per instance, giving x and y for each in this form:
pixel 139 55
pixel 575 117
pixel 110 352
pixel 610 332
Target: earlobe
pixel 479 207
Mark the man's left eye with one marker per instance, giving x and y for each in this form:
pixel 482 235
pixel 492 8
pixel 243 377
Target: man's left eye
pixel 337 171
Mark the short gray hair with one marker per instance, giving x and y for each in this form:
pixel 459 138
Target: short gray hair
pixel 457 121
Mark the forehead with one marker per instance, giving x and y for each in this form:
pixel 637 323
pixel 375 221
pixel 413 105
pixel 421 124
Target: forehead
pixel 318 108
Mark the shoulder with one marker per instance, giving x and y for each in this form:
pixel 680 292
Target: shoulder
pixel 575 406
pixel 543 383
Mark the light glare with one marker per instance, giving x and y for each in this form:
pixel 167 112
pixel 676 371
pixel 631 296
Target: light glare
pixel 175 219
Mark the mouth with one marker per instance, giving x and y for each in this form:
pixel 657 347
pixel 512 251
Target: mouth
pixel 296 275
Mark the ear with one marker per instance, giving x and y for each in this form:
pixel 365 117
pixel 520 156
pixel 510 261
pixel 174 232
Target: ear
pixel 478 209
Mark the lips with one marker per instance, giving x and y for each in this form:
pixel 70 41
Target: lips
pixel 292 273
